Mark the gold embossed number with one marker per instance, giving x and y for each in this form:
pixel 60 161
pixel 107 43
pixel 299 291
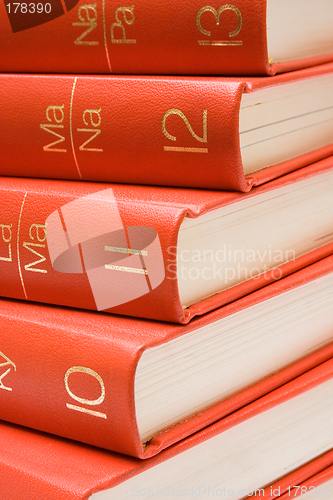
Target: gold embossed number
pixel 217 14
pixel 183 149
pixel 128 18
pixel 95 402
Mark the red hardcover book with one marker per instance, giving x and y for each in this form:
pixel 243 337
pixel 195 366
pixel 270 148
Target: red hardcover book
pixel 241 453
pixel 313 480
pixel 317 487
pixel 136 386
pixel 148 37
pixel 159 253
pixel 209 133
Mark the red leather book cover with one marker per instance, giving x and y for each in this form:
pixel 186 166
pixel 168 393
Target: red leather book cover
pixel 112 247
pixel 35 465
pixel 148 37
pixel 165 131
pixel 73 373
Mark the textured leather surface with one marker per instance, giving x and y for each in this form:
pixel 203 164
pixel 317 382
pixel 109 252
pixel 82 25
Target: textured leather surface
pixel 35 465
pixel 166 40
pixel 43 343
pixel 130 145
pixel 109 129
pixel 27 203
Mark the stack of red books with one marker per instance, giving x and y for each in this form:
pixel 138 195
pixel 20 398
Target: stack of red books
pixel 166 249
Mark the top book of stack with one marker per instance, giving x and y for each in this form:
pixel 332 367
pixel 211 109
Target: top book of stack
pixel 260 37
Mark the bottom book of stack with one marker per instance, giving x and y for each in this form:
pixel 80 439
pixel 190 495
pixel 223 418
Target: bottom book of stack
pixel 282 439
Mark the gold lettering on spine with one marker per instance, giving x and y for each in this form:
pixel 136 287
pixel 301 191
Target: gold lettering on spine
pixel 40 232
pixel 179 113
pixel 87 15
pixel 36 231
pixel 95 402
pixel 29 267
pixel 49 128
pixel 91 117
pixel 217 14
pixel 91 113
pixel 118 24
pixel 6 232
pixel 11 365
pixel 54 114
pixel 95 134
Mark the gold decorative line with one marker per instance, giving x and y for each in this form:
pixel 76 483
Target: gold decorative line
pixel 71 126
pixel 224 43
pixel 18 245
pixel 130 251
pixel 220 43
pixel 123 269
pixel 105 40
pixel 84 410
pixel 186 150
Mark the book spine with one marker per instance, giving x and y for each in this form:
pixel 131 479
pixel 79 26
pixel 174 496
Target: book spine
pixel 72 374
pixel 58 375
pixel 146 37
pixel 86 245
pixel 140 130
